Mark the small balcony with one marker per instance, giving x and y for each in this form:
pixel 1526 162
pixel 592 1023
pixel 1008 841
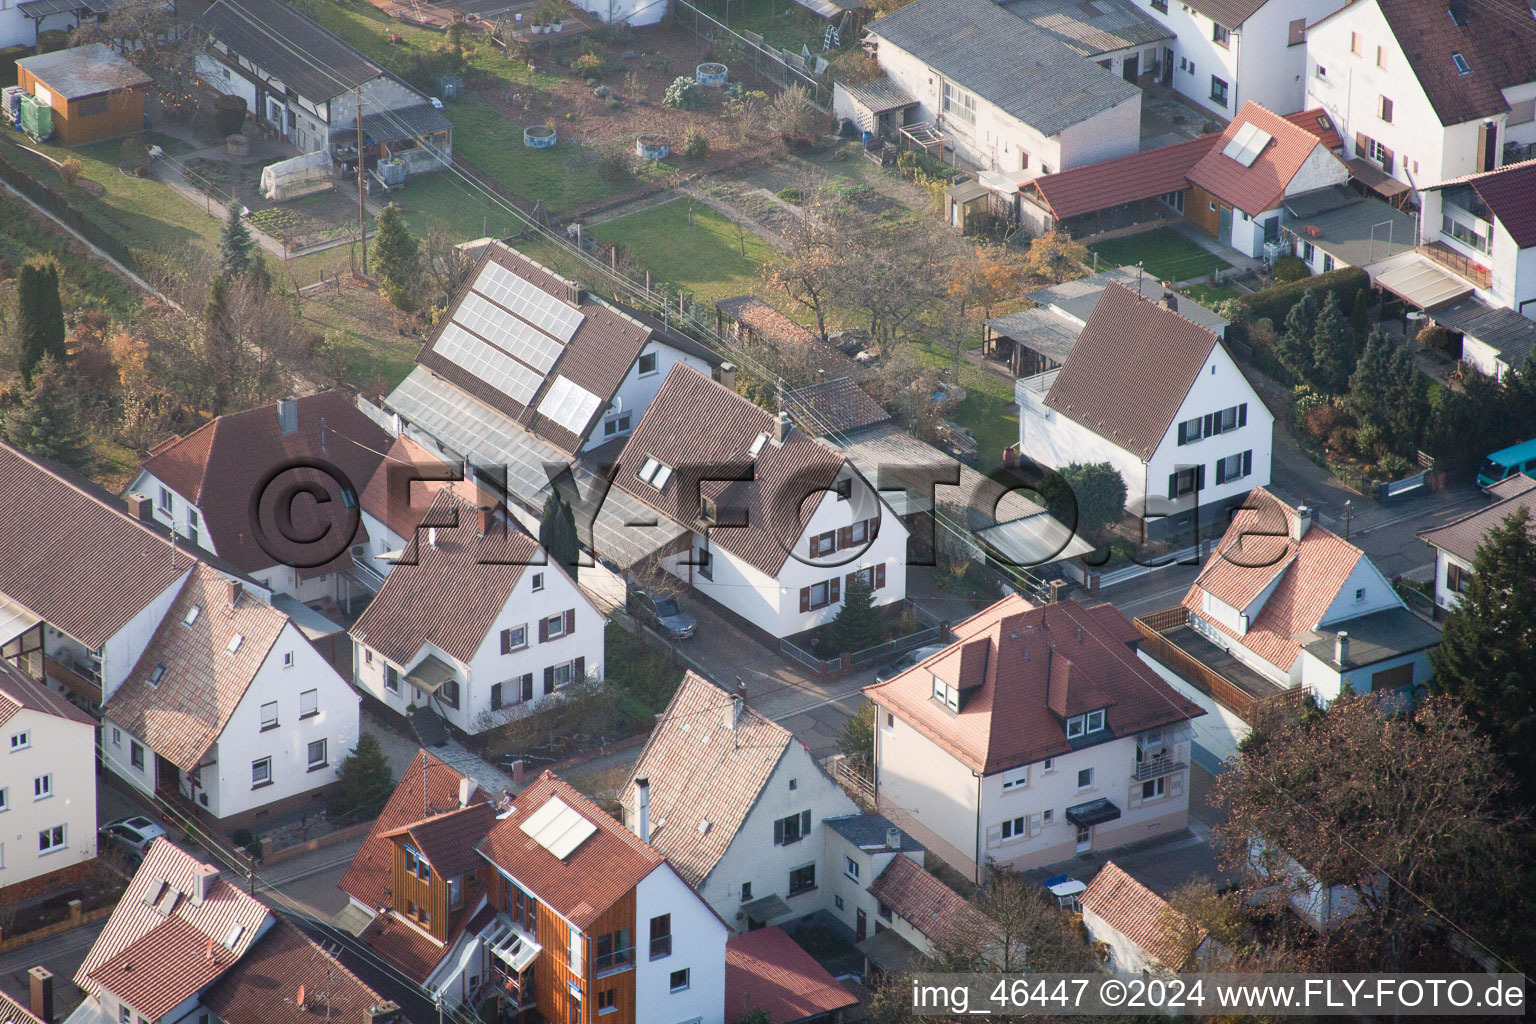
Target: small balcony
pixel 1458 263
pixel 1040 383
pixel 612 963
pixel 1150 768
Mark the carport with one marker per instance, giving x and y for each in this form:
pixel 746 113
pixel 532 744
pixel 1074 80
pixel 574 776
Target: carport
pixel 1418 280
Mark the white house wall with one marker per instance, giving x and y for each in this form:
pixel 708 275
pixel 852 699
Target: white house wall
pixel 926 782
pixel 1112 133
pixel 121 652
pixel 1220 385
pixel 1377 595
pixel 1326 683
pixel 1125 956
pixel 1194 44
pixel 1055 440
pixel 854 891
pixel 1271 70
pixel 698 943
pixel 636 392
pixel 64 749
pixel 1218 731
pixel 1445 597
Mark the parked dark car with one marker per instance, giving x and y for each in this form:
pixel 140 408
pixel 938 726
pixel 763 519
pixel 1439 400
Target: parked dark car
pixel 665 612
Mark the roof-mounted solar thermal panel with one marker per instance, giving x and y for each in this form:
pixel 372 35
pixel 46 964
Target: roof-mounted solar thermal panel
pixel 491 365
pixel 569 404
pixel 533 304
pixel 558 827
pixel 507 333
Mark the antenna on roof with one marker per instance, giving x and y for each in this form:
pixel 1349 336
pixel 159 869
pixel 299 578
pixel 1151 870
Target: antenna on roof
pixel 322 433
pixel 1139 296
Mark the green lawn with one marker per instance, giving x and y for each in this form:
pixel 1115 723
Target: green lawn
pixel 787 26
pixel 1208 296
pixel 705 257
pixel 1162 252
pixel 563 177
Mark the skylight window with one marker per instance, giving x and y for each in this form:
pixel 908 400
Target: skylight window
pixel 155 675
pixel 655 473
pixel 757 445
pixel 192 614
pixel 1462 67
pixel 234 643
pixel 235 931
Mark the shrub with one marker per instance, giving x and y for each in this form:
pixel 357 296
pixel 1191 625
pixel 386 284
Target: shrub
pixel 1290 268
pixel 1369 438
pixel 1276 302
pixel 684 93
pixel 1393 466
pixel 589 65
pixel 793 114
pixel 1435 337
pixel 613 163
pixel 1325 420
pixel 70 170
pixel 695 144
pixel 791 195
pixel 229 114
pixel 661 62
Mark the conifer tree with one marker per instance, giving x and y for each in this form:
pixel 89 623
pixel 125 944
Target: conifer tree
pixel 40 315
pixel 48 422
pixel 235 242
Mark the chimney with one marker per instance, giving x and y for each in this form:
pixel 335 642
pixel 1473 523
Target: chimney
pixel 782 428
pixel 232 591
pixel 203 877
pixel 141 507
pixel 1341 648
pixel 737 704
pixel 517 772
pixel 485 517
pixel 643 788
pixel 1171 301
pixel 288 415
pixel 1302 524
pixel 208 953
pixel 384 1013
pixel 40 980
pixel 432 536
pixel 727 376
pixel 893 838
pixel 466 791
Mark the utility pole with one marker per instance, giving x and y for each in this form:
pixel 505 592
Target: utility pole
pixel 362 208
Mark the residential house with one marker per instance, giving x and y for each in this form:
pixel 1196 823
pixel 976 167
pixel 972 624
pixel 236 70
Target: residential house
pixel 309 87
pixel 1336 226
pixel 1456 542
pixel 917 916
pixel 203 486
pixel 1160 398
pixel 999 92
pixel 186 944
pixel 1426 92
pixel 1233 52
pixel 1242 182
pixel 229 707
pixel 519 631
pixel 1297 605
pixel 1112 195
pixel 1139 928
pixel 767 971
pixel 1037 735
pixel 528 379
pixel 396 498
pixel 47 788
pixel 1483 227
pixel 737 805
pixel 93 92
pixel 775 521
pixel 541 899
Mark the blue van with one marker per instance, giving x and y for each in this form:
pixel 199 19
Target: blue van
pixel 1505 463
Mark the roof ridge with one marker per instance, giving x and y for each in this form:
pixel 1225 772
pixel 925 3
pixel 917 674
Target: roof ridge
pixel 39 465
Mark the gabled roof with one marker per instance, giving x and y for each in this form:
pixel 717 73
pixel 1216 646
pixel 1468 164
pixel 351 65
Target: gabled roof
pixel 1255 552
pixel 264 985
pixel 703 430
pixel 391 495
pixel 77 562
pixel 153 953
pixel 1141 915
pixel 1463 536
pixel 222 466
pixel 591 878
pixel 448 594
pixel 1319 123
pixel 1125 179
pixel 406 947
pixel 516 329
pixel 448 841
pixel 427 787
pixel 926 903
pixel 767 970
pixel 1025 670
pixel 1496 42
pixel 12 1012
pixel 833 408
pixel 1229 13
pixel 281 41
pixel 774 326
pixel 701 770
pixel 19 692
pixel 1006 61
pixel 1508 333
pixel 1510 193
pixel 1130 370
pixel 187 683
pixel 1259 186
pixel 83 71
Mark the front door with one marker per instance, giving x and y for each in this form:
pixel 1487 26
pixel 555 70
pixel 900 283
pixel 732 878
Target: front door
pixel 277 113
pixel 1131 68
pixel 861 929
pixel 1084 838
pixel 1224 233
pixel 1167 65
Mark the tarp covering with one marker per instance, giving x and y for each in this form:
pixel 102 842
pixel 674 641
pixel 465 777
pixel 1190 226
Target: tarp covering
pixel 295 176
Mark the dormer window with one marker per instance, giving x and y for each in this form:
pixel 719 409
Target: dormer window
pixel 655 473
pixel 757 445
pixel 707 510
pixel 1085 725
pixel 946 694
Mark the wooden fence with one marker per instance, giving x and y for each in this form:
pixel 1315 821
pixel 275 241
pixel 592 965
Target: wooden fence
pixel 1198 674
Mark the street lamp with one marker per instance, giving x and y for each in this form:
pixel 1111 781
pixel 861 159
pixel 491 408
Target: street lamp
pixel 1349 513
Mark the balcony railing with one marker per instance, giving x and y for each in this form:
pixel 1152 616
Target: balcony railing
pixel 1156 767
pixel 1458 263
pixel 661 946
pixel 1040 383
pixel 618 960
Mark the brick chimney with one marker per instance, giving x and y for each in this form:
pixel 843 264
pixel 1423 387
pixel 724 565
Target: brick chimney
pixel 484 517
pixel 782 427
pixel 727 376
pixel 40 982
pixel 141 507
pixel 232 591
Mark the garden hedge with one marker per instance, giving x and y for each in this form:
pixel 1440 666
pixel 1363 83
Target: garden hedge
pixel 1277 301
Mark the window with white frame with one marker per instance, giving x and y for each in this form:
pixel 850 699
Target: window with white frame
pixel 5 798
pixel 563 674
pixel 317 755
pixel 42 786
pixel 617 425
pixel 514 639
pixel 165 499
pixel 554 626
pixel 1234 467
pixel 851 868
pixel 391 679
pixel 1048 765
pixel 1084 725
pixel 1153 789
pixel 21 740
pixel 309 703
pixel 269 716
pixel 946 694
pixel 261 772
pixel 537 583
pixel 959 104
pixel 1016 778
pixel 647 364
pixel 1085 778
pixel 1016 828
pixel 50 839
pixel 287 659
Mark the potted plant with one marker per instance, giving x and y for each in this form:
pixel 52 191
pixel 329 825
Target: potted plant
pixel 558 24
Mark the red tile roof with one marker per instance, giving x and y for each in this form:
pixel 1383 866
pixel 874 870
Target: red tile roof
pixel 400 508
pixel 73 559
pixel 448 841
pixel 592 878
pixel 19 691
pixel 451 595
pixel 1144 175
pixel 263 987
pixel 1510 193
pixel 701 770
pixel 1319 123
pixel 426 787
pixel 1261 185
pixel 222 467
pixel 705 432
pixel 1043 664
pixel 415 953
pixel 1130 370
pixel 1141 915
pixel 1256 549
pixel 925 902
pixel 1497 42
pixel 766 970
pixel 165 954
pixel 182 715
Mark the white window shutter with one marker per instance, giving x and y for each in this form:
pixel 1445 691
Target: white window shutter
pixel 994 836
pixel 1036 825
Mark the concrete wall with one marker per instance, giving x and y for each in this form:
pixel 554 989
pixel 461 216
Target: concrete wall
pixel 122 651
pixel 852 889
pixel 698 944
pixel 63 750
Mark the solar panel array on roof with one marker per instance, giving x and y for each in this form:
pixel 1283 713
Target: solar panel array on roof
pixel 569 404
pixel 1247 144
pixel 491 365
pixel 536 306
pixel 508 333
pixel 558 827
